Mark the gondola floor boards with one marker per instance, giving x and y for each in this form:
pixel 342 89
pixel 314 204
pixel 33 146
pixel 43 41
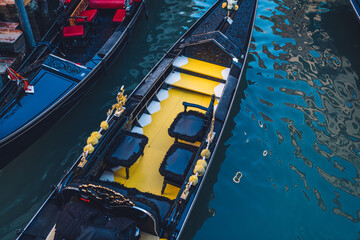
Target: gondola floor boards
pixel 144 174
pixel 201 67
pixel 196 84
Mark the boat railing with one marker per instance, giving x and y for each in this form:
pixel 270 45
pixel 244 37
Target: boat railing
pixel 116 124
pixel 178 207
pixel 84 171
pixel 151 84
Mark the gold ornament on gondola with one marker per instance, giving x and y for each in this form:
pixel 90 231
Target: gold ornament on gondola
pixel 205 153
pixel 92 140
pixel 199 169
pixel 96 135
pixel 193 180
pixel 89 149
pixel 105 195
pixel 202 163
pixel 104 125
pixel 121 100
pixel 230 5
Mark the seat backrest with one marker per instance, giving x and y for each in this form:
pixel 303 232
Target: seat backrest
pixel 209 110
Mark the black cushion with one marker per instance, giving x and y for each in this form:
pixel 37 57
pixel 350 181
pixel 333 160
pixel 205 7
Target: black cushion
pixel 188 126
pixel 126 149
pixel 177 162
pixel 157 206
pixel 81 221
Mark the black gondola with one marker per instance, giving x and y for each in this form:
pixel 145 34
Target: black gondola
pixel 77 50
pixel 356 6
pixel 140 174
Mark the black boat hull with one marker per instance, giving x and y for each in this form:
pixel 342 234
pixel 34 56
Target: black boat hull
pixel 16 143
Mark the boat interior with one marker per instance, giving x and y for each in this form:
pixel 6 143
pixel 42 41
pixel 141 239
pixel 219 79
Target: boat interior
pixel 157 117
pixel 91 25
pixel 152 154
pixel 92 31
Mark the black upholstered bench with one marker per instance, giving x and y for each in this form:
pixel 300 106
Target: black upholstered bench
pixel 191 125
pixel 125 150
pixel 176 164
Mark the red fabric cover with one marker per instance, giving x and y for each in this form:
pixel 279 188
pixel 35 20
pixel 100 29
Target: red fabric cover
pixel 67 1
pixel 73 31
pixel 107 3
pixel 90 14
pixel 119 15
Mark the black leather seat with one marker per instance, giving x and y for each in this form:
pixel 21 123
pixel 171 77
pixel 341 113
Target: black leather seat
pixel 191 125
pixel 125 150
pixel 176 164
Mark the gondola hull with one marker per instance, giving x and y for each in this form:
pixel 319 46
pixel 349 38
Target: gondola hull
pixel 16 142
pixel 118 173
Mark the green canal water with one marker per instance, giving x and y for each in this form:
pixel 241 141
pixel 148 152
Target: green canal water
pixel 293 133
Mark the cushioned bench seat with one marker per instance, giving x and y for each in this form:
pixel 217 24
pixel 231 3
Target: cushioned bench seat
pixel 119 15
pixel 89 14
pixel 125 150
pixel 176 164
pixel 111 4
pixel 73 31
pixel 188 126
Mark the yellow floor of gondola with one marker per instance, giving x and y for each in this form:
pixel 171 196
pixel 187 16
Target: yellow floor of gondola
pixel 196 84
pixel 202 67
pixel 144 174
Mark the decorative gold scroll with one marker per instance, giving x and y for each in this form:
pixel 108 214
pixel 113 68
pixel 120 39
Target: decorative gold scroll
pixel 83 5
pixel 119 106
pixel 105 194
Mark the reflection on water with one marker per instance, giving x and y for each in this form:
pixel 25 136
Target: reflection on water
pixel 330 101
pixel 297 133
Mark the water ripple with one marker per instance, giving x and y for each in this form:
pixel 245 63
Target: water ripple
pixel 319 84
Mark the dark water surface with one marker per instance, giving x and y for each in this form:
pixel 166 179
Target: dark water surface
pixel 293 133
